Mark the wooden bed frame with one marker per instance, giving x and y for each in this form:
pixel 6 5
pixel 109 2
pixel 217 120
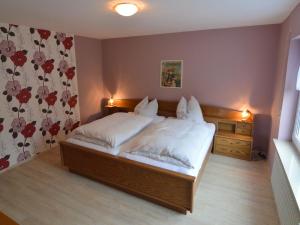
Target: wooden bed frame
pixel 167 188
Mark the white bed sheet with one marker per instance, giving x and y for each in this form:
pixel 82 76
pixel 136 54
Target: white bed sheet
pixel 111 151
pixel 188 171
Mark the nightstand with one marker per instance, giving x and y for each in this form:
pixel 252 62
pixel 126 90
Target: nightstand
pixel 234 138
pixel 111 109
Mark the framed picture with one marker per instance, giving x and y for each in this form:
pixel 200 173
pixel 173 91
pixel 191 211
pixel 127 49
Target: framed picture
pixel 171 73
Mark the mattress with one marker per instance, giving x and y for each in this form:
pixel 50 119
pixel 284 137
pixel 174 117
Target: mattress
pixel 179 169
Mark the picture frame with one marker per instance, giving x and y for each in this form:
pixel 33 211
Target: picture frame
pixel 171 72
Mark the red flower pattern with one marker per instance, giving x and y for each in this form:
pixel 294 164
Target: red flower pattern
pixel 54 129
pixel 68 42
pixel 29 130
pixel 4 163
pixel 19 58
pixel 72 101
pixel 44 34
pixel 70 73
pixel 1 127
pixel 48 66
pixel 51 98
pixel 24 96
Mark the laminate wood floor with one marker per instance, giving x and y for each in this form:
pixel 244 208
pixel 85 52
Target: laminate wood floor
pixel 42 192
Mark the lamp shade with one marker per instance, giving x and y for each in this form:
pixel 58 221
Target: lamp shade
pixel 298 80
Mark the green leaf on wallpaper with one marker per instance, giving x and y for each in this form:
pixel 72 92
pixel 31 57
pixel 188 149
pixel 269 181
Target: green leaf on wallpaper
pixel 22 110
pixel 3 29
pixel 31 30
pixel 9 98
pixel 27 144
pixel 15 135
pixel 3 58
pixel 4 92
pixel 14 109
pixel 36 42
pixel 9 71
pixel 20 144
pixel 11 34
pixel 36 67
pixel 17 73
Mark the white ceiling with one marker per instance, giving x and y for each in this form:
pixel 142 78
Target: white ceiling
pixel 95 18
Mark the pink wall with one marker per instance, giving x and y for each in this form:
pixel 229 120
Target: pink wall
pixel 90 84
pixel 290 29
pixel 232 68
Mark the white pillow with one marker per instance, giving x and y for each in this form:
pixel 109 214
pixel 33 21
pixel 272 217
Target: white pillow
pixel 142 104
pixel 181 111
pixel 150 110
pixel 194 111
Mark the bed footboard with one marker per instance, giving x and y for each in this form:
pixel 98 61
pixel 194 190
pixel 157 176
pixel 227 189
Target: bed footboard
pixel 164 187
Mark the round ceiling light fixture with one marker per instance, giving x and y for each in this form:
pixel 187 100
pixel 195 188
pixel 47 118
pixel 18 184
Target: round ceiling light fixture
pixel 126 9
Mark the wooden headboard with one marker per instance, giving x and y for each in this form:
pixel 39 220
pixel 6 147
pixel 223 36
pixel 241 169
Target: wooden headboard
pixel 168 108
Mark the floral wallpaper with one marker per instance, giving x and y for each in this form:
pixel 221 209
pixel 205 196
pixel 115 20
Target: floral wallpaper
pixel 38 91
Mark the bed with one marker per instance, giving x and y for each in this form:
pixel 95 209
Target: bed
pixel 168 185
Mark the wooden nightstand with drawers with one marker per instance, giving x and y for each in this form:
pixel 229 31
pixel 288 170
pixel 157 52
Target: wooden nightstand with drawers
pixel 234 137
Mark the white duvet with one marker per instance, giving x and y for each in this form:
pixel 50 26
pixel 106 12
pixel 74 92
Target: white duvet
pixel 173 141
pixel 113 130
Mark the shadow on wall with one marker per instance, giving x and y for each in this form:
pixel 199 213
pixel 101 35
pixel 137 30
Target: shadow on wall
pixel 93 117
pixel 101 113
pixel 262 128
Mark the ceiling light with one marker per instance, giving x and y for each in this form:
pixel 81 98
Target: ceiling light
pixel 126 9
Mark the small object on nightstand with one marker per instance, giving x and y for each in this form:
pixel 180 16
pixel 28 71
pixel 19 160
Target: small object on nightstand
pixel 245 115
pixel 234 136
pixel 110 109
pixel 111 101
pixel 113 107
